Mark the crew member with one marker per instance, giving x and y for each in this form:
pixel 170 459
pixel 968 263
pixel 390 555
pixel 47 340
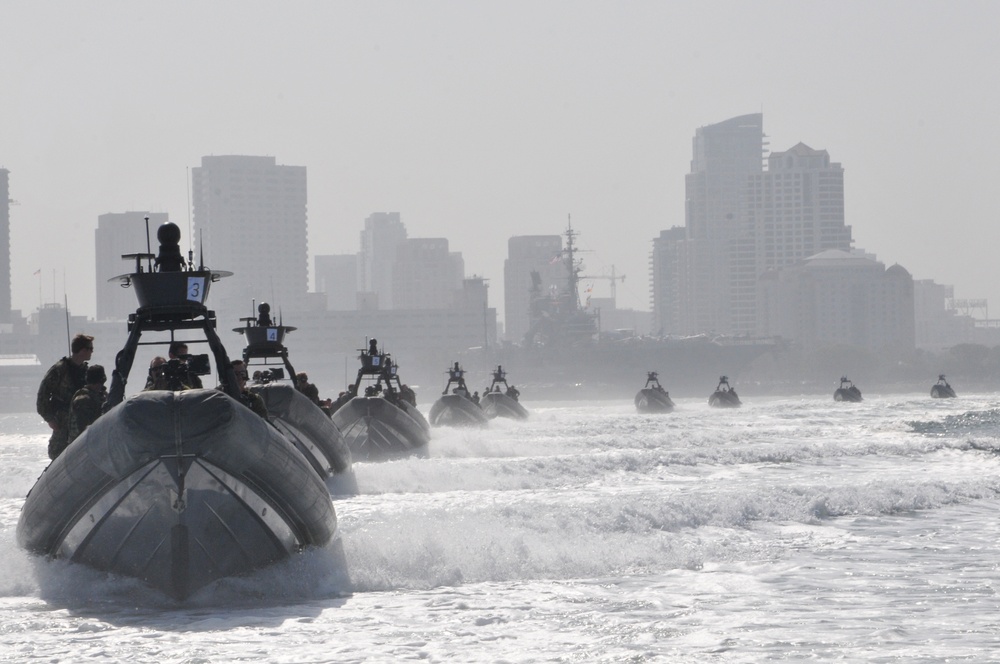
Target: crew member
pixel 55 393
pixel 249 399
pixel 303 385
pixel 88 402
pixel 179 351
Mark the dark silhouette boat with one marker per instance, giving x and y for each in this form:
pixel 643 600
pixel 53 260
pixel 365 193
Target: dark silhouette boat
pixel 293 413
pixel 383 421
pixel 502 403
pixel 724 395
pixel 847 391
pixel 653 398
pixel 457 408
pixel 176 488
pixel 942 390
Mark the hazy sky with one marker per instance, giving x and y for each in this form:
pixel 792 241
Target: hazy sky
pixel 482 120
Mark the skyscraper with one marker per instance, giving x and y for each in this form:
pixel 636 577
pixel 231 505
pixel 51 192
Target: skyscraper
pixel 426 275
pixel 380 239
pixel 741 221
pixel 4 245
pixel 250 218
pixel 794 210
pixel 117 234
pixel 337 276
pixel 718 249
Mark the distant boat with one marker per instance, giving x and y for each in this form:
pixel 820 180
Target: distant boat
pixel 457 408
pixel 382 422
pixel 497 403
pixel 724 396
pixel 653 398
pixel 847 391
pixel 294 414
pixel 942 390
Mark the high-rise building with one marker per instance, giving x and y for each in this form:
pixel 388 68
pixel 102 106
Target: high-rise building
pixel 337 277
pixel 719 248
pixel 383 234
pixel 250 219
pixel 698 272
pixel 5 314
pixel 795 210
pixel 426 275
pixel 527 254
pixel 666 276
pixel 118 234
pixel 742 220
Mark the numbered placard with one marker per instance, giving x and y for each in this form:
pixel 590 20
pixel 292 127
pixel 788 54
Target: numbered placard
pixel 272 334
pixel 196 289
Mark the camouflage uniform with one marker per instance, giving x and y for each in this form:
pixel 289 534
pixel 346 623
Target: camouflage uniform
pixel 254 402
pixel 55 394
pixel 85 408
pixel 310 390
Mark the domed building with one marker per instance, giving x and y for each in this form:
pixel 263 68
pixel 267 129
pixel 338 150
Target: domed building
pixel 838 297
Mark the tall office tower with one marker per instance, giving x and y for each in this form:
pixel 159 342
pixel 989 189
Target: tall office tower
pixel 794 210
pixel 719 247
pixel 118 234
pixel 666 275
pixel 337 276
pixel 527 254
pixel 5 314
pixel 426 275
pixel 383 234
pixel 250 219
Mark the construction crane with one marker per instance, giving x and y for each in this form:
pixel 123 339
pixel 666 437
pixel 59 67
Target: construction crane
pixel 614 278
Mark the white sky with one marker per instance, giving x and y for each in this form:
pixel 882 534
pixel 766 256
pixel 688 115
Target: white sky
pixel 482 120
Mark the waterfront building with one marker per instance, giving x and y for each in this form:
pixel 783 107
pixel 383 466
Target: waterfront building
pixel 380 239
pixel 250 219
pixel 337 279
pixel 425 275
pixel 839 298
pixel 742 220
pixel 697 270
pixel 5 295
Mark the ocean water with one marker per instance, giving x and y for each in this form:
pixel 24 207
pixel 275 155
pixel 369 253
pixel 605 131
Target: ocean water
pixel 791 529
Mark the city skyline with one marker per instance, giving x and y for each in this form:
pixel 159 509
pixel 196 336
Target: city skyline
pixel 481 123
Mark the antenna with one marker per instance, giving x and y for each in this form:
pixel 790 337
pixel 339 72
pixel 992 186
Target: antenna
pixel 69 344
pixel 149 251
pixel 190 223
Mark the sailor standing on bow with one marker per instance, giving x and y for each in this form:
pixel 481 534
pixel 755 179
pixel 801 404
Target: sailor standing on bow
pixel 55 394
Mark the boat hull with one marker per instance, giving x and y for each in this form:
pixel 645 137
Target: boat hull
pixel 177 489
pixel 943 392
pixel 412 411
pixel 453 410
pixel 498 404
pixel 376 429
pixel 649 400
pixel 724 399
pixel 307 427
pixel 850 394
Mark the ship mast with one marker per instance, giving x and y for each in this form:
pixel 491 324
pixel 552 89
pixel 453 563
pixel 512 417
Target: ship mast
pixel 571 264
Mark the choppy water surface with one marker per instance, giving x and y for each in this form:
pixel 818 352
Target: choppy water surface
pixel 789 529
